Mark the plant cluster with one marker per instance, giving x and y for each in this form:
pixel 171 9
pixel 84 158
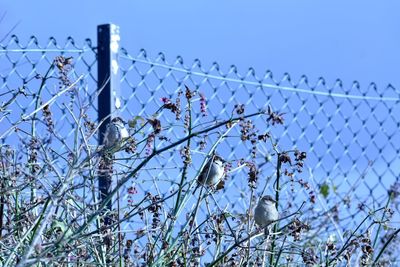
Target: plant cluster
pixel 51 211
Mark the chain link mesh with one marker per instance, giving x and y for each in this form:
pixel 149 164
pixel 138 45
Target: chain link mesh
pixel 22 67
pixel 350 133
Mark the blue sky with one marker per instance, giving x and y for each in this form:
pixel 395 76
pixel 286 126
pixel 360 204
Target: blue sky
pixel 351 40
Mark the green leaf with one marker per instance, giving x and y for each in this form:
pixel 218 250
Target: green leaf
pixel 334 188
pixel 133 122
pixel 324 190
pixel 60 226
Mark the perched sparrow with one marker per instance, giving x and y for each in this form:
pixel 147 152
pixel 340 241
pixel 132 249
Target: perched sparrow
pixel 212 173
pixel 265 213
pixel 115 132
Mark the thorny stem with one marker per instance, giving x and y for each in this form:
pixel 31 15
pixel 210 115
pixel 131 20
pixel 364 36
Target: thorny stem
pixel 383 216
pixel 119 230
pixel 33 130
pixel 35 231
pixel 48 103
pixel 385 246
pixel 79 235
pixel 278 174
pixel 37 102
pixel 280 251
pixel 12 99
pixel 3 189
pixel 126 217
pixel 201 169
pixel 91 169
pixel 248 238
pixel 248 223
pixel 345 246
pixel 21 240
pixel 51 200
pixel 194 213
pixel 209 155
pixel 184 171
pixel 122 181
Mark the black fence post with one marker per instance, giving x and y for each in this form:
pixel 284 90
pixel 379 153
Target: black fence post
pixel 108 82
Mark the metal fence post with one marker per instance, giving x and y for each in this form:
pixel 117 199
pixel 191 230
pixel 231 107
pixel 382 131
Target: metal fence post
pixel 108 82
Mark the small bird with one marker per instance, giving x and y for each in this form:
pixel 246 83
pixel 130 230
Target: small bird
pixel 115 132
pixel 212 173
pixel 266 213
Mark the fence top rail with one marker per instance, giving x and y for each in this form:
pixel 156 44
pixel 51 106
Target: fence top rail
pixel 38 50
pixel 268 85
pixel 179 66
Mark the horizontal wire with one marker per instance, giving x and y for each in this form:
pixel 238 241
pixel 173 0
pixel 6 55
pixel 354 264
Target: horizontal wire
pixel 215 77
pixel 267 85
pixel 43 50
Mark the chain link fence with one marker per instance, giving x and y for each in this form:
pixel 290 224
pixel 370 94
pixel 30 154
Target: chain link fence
pixel 350 132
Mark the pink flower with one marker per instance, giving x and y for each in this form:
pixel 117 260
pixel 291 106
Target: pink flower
pixel 203 106
pixel 165 100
